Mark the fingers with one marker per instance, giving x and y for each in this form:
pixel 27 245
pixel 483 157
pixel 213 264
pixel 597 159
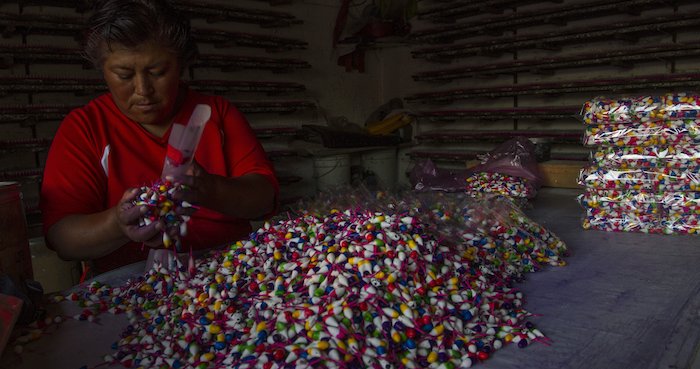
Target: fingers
pixel 145 221
pixel 144 233
pixel 185 211
pixel 130 214
pixel 155 242
pixel 129 195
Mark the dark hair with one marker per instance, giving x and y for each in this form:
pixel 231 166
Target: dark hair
pixel 132 23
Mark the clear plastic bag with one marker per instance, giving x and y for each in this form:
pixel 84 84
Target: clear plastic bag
pixel 638 157
pixel 640 179
pixel 426 176
pixel 513 158
pixel 670 106
pixel 656 133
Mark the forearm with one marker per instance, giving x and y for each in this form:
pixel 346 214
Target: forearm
pixel 248 197
pixel 86 236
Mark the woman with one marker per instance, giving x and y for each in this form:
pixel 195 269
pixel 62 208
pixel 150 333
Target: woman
pixel 117 142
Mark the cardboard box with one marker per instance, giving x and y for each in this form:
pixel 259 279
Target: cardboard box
pixel 561 173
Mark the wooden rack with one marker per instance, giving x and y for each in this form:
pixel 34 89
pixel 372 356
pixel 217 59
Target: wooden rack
pixel 500 114
pixel 92 85
pixel 30 144
pixel 556 15
pixel 446 136
pixel 463 9
pixel 194 9
pixel 25 175
pixel 264 18
pixel 222 38
pixel 463 156
pixel 25 54
pixel 666 81
pixel 32 84
pixel 32 114
pixel 282 107
pixel 624 58
pixel 554 40
pixel 233 62
pixel 24 24
pixel 227 87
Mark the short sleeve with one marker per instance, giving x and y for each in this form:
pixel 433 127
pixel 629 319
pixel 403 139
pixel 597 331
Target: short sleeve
pixel 74 180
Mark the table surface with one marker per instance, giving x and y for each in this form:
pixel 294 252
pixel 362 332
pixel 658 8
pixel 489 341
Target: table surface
pixel 625 300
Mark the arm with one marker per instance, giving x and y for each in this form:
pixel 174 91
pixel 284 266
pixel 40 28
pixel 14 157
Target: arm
pixel 90 236
pixel 250 196
pixel 236 180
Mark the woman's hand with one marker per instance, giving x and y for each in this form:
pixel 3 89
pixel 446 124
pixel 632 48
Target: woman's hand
pixel 128 219
pixel 91 236
pixel 249 196
pixel 199 186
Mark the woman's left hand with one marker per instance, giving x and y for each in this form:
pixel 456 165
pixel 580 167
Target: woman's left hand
pixel 249 196
pixel 198 187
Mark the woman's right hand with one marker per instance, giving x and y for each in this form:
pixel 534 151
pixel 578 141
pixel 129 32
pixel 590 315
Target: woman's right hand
pixel 128 218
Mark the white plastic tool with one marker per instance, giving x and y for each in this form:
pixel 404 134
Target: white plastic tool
pixel 182 145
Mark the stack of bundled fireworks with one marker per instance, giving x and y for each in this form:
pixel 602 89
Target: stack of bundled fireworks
pixel 644 174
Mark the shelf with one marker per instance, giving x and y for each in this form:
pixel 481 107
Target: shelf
pixel 228 63
pixel 222 39
pixel 39 24
pixel 458 136
pixel 517 20
pixel 10 85
pixel 30 114
pixel 31 84
pixel 194 9
pixel 563 112
pixel 224 86
pixel 22 175
pixel 222 12
pixel 463 9
pixel 281 107
pixel 466 155
pixel 624 58
pixel 555 40
pixel 23 54
pixel 589 86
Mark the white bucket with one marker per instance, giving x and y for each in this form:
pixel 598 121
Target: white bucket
pixel 382 164
pixel 331 171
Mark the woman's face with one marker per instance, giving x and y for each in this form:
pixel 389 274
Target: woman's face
pixel 144 83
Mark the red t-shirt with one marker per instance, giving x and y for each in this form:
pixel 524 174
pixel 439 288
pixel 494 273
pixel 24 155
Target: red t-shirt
pixel 98 153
